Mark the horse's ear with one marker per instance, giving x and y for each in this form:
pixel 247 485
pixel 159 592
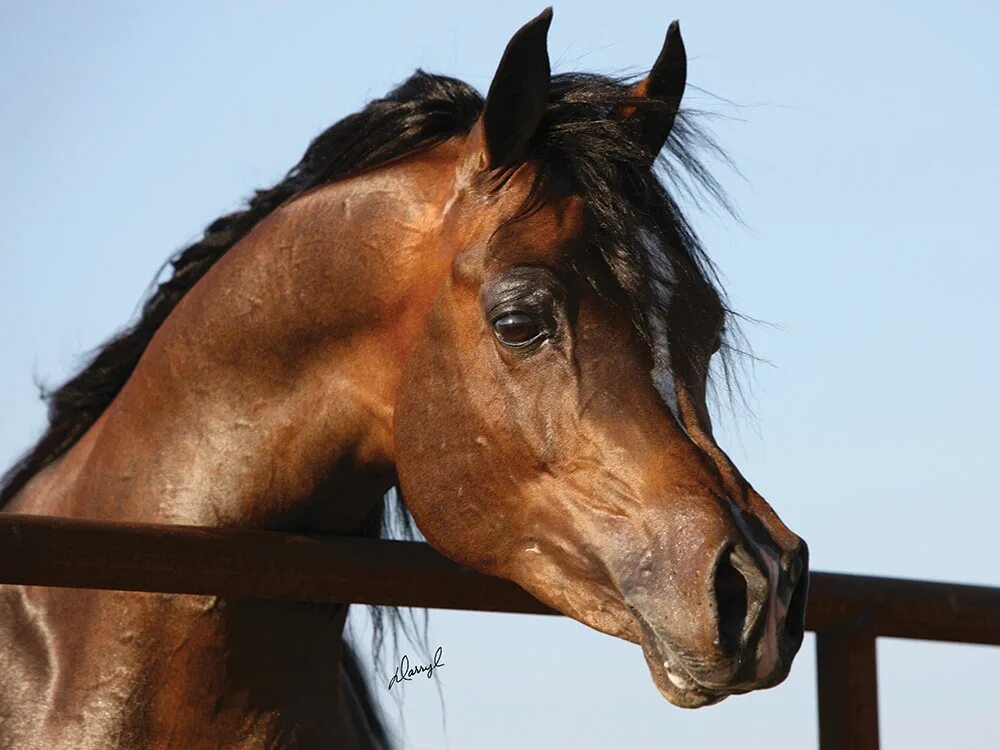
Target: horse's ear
pixel 518 94
pixel 665 85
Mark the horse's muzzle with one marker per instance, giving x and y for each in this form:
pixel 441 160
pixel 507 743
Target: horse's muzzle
pixel 756 605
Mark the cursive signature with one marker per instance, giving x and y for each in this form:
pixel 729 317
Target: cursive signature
pixel 405 672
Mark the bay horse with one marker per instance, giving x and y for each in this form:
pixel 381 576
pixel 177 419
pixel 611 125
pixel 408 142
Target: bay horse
pixel 493 304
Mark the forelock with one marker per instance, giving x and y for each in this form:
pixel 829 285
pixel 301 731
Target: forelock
pixel 641 238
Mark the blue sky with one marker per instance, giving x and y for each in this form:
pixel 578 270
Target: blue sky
pixel 866 138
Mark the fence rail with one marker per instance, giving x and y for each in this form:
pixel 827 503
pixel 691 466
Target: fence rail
pixel 847 612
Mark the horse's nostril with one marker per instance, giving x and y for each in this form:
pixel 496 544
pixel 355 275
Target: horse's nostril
pixel 730 603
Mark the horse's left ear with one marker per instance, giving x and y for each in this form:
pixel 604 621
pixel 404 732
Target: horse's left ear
pixel 519 93
pixel 665 86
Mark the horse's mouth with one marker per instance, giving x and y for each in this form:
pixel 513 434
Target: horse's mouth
pixel 674 681
pixel 672 678
pixel 680 685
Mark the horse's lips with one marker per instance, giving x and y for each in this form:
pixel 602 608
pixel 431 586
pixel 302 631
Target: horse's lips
pixel 680 689
pixel 671 678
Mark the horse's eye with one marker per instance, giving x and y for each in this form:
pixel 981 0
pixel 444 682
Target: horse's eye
pixel 516 328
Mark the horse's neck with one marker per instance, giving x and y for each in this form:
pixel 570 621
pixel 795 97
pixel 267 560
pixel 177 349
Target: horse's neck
pixel 264 400
pixel 268 391
pixel 89 669
pixel 91 673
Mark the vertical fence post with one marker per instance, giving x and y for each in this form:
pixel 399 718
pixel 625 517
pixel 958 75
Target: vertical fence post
pixel 848 687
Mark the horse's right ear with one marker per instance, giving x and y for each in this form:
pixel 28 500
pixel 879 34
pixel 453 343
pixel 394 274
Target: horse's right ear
pixel 518 95
pixel 665 86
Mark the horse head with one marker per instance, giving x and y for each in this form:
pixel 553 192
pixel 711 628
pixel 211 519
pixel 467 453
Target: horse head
pixel 551 424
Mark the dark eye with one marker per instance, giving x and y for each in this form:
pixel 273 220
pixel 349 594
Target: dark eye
pixel 516 328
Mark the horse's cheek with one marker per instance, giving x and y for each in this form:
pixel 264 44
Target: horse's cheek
pixel 450 451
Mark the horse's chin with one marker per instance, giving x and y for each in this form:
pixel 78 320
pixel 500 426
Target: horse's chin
pixel 688 698
pixel 675 683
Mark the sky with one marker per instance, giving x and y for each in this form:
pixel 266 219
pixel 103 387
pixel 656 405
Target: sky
pixel 865 136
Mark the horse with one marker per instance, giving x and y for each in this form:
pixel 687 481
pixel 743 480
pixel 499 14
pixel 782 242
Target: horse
pixel 493 304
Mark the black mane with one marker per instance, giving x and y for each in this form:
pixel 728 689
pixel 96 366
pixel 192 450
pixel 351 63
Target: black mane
pixel 582 137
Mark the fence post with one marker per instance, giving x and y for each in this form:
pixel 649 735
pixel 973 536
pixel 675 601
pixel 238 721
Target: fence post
pixel 848 687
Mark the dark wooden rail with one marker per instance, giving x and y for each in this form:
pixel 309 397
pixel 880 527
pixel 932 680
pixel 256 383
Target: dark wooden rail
pixel 847 612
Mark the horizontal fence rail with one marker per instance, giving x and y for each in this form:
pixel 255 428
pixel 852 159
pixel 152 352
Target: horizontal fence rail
pixel 847 611
pixel 80 553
